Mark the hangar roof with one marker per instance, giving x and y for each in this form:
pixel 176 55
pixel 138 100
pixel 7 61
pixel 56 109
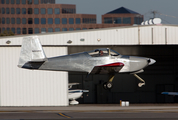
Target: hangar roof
pixel 130 35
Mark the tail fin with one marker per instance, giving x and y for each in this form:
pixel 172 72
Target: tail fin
pixel 32 55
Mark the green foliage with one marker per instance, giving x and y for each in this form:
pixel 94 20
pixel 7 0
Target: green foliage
pixel 7 33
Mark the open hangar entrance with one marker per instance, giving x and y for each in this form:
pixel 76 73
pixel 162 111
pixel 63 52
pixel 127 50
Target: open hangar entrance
pixel 159 77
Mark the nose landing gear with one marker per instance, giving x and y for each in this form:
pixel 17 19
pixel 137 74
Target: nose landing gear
pixel 109 84
pixel 142 81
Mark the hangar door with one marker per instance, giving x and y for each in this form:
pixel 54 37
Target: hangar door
pixel 21 87
pixel 159 77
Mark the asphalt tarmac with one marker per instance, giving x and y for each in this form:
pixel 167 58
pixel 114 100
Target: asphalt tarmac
pixel 93 112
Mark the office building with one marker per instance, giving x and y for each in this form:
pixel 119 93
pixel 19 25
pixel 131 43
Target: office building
pixel 41 16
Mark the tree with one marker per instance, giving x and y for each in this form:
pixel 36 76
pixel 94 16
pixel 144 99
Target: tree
pixel 10 33
pixel 7 33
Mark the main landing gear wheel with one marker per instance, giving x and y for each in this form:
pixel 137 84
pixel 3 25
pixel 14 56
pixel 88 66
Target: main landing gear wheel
pixel 108 85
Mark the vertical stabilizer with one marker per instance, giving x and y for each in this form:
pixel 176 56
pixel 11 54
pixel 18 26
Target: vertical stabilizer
pixel 31 52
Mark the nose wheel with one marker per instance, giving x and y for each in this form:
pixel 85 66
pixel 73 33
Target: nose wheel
pixel 142 81
pixel 109 84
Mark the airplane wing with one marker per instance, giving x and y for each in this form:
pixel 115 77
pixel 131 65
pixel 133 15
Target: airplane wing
pixel 71 84
pixel 170 93
pixel 107 68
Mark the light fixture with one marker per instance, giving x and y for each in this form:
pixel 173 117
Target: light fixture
pixel 82 39
pixel 8 42
pixel 98 39
pixel 69 41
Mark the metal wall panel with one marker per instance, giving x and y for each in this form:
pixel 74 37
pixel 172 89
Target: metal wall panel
pixel 145 35
pixel 21 87
pixel 172 35
pixel 135 35
pixel 158 35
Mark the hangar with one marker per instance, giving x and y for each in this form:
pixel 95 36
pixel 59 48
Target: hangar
pixel 19 87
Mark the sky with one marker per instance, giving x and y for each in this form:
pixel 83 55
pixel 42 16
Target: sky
pixel 167 10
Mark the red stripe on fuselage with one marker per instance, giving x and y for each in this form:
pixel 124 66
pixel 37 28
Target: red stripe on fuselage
pixel 118 64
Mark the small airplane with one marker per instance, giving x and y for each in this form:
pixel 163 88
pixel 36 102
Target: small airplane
pixel 98 61
pixel 170 93
pixel 74 94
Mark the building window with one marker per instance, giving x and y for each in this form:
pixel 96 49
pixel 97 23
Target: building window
pixel 77 20
pixel 13 30
pixel 3 29
pixel 71 29
pixel 36 11
pixel 0 20
pixel 50 29
pixel 43 11
pixel 18 20
pixel 78 29
pixel 7 11
pixel 117 20
pixel 7 20
pixel 57 29
pixel 138 20
pixel 2 1
pixel 71 20
pixel 68 10
pixel 30 21
pixel 84 28
pixel 37 30
pixel 8 29
pixel 29 1
pixel 94 21
pixel 23 20
pixel 12 2
pixel 127 20
pixel 30 30
pixel 7 1
pixel 57 11
pixel 47 1
pixel 3 10
pixel 50 11
pixel 108 20
pixel 18 31
pixel 43 20
pixel 36 20
pixel 43 30
pixel 3 20
pixel 86 20
pixel 64 29
pixel 64 20
pixel 29 10
pixel 50 20
pixel 23 10
pixel 17 1
pixel 23 1
pixel 57 20
pixel 36 2
pixel 24 30
pixel 12 10
pixel 12 20
pixel 17 10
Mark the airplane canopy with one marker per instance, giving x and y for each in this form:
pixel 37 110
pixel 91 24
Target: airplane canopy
pixel 101 52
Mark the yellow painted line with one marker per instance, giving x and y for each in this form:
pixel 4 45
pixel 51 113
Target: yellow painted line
pixel 61 114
